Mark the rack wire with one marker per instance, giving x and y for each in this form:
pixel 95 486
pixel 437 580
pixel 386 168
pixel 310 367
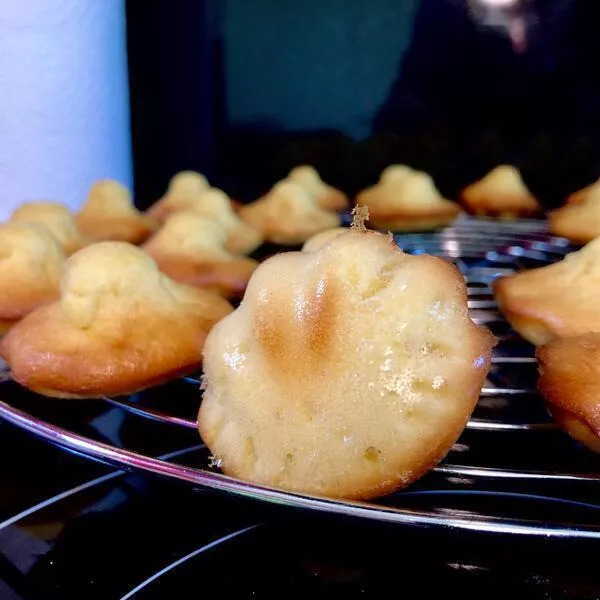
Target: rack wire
pixel 511 472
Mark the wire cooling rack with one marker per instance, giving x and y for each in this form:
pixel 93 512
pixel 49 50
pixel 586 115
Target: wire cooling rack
pixel 512 471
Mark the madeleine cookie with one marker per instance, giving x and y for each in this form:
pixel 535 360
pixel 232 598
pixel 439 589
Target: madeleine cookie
pixel 58 219
pixel 345 372
pixel 323 237
pixel 579 221
pixel 556 301
pixel 501 193
pixel 570 383
pixel 120 326
pixel 109 214
pixel 327 197
pixel 31 265
pixel 182 194
pixel 406 200
pixel 288 214
pixel 190 248
pixel 241 237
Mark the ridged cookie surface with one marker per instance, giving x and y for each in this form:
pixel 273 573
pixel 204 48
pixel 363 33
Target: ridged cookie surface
pixel 120 326
pixel 348 371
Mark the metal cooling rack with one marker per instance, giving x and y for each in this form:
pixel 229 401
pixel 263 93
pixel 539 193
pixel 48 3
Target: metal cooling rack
pixel 512 471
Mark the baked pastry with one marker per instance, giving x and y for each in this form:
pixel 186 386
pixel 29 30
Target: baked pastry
pixel 58 219
pixel 501 193
pixel 190 248
pixel 241 238
pixel 120 326
pixel 31 265
pixel 183 192
pixel 288 214
pixel 323 237
pixel 395 174
pixel 406 200
pixel 109 214
pixel 345 372
pixel 570 383
pixel 580 195
pixel 327 197
pixel 579 221
pixel 556 301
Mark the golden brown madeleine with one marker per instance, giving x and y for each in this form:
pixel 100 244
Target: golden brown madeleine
pixel 579 221
pixel 120 326
pixel 556 301
pixel 183 192
pixel 109 214
pixel 406 200
pixel 31 266
pixel 58 219
pixel 327 197
pixel 288 214
pixel 501 193
pixel 570 383
pixel 190 248
pixel 241 237
pixel 346 372
pixel 323 237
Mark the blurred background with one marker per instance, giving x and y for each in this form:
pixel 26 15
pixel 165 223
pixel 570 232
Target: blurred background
pixel 243 90
pixel 246 90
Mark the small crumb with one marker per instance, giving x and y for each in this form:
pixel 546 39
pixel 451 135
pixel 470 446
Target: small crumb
pixel 360 215
pixel 215 462
pixel 438 382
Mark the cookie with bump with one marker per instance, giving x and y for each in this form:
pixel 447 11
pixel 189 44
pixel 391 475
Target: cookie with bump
pixel 190 248
pixel 501 193
pixel 216 205
pixel 288 215
pixel 109 214
pixel 327 196
pixel 555 301
pixel 406 200
pixel 119 326
pixel 346 372
pixel 183 192
pixel 58 219
pixel 31 266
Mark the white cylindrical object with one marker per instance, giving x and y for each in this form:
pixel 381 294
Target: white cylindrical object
pixel 64 100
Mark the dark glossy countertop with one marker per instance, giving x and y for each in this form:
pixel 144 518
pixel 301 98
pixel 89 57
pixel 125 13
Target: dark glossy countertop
pixel 76 529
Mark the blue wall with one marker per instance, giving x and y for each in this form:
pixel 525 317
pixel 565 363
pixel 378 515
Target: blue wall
pixel 312 63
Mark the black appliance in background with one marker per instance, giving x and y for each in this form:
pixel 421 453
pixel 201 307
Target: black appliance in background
pixel 244 91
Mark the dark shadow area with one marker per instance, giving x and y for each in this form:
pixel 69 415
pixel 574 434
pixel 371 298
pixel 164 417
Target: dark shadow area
pixel 477 86
pixel 481 86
